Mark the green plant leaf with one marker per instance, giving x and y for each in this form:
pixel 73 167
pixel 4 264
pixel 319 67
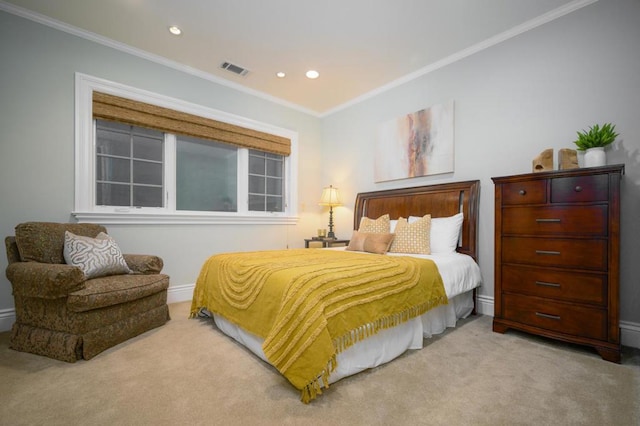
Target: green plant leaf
pixel 596 136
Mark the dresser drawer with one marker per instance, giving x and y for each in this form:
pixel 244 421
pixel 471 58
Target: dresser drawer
pixel 550 283
pixel 580 189
pixel 530 192
pixel 561 252
pixel 556 316
pixel 557 220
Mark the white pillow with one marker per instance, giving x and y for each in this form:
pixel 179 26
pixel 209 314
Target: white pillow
pixel 96 257
pixel 445 232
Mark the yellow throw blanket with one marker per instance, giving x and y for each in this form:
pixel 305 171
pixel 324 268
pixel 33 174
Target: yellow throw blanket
pixel 309 305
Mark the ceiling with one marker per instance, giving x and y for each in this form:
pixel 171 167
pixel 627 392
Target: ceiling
pixel 359 47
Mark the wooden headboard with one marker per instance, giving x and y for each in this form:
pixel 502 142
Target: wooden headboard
pixel 440 200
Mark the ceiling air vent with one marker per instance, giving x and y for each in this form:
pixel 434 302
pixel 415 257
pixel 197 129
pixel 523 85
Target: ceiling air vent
pixel 236 69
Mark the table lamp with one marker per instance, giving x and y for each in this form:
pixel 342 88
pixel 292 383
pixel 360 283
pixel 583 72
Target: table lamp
pixel 330 197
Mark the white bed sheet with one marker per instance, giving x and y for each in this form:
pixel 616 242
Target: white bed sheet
pixel 460 275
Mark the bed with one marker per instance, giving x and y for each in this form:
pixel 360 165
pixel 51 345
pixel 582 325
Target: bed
pixel 451 293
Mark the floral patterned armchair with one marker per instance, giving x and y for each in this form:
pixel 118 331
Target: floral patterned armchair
pixel 62 311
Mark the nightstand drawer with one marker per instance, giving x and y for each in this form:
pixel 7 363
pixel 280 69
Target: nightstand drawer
pixel 580 189
pixel 550 283
pixel 562 252
pixel 556 316
pixel 587 220
pixel 531 192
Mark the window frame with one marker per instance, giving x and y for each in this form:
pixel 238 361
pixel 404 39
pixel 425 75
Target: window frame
pixel 130 158
pixel 265 195
pixel 85 208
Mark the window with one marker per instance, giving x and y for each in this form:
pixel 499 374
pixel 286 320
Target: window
pixel 131 172
pixel 129 165
pixel 206 176
pixel 266 183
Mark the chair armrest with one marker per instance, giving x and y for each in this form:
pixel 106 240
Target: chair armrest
pixel 144 263
pixel 13 255
pixel 44 280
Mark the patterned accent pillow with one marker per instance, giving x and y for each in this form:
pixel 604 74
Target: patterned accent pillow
pixel 371 243
pixel 377 226
pixel 445 233
pixel 412 237
pixel 96 257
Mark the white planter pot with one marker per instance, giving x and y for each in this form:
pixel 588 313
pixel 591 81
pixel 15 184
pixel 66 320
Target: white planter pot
pixel 595 157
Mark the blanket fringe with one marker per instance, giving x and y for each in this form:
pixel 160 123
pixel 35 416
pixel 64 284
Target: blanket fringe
pixel 200 313
pixel 314 388
pixel 343 343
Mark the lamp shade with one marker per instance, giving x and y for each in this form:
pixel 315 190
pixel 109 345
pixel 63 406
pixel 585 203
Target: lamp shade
pixel 330 197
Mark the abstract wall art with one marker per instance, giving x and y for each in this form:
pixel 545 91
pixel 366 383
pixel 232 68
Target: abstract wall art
pixel 416 144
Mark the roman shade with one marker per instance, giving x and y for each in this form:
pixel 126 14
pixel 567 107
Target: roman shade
pixel 115 108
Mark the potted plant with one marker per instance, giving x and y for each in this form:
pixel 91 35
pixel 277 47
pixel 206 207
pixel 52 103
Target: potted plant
pixel 594 141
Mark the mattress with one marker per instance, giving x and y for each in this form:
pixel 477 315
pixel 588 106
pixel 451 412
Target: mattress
pixel 460 275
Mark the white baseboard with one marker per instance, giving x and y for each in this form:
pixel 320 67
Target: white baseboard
pixel 630 334
pixel 484 305
pixel 7 318
pixel 630 331
pixel 180 293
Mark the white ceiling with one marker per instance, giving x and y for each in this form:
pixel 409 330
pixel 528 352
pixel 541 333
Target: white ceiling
pixel 359 47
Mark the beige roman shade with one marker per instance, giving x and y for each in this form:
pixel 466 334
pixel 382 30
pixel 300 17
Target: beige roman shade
pixel 115 108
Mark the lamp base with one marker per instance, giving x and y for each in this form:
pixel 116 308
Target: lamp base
pixel 330 234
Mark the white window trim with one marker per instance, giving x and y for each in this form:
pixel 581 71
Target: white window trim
pixel 85 209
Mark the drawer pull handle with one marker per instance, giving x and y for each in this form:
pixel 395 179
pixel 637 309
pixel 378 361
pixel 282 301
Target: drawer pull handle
pixel 522 192
pixel 545 284
pixel 554 253
pixel 578 188
pixel 547 220
pixel 553 317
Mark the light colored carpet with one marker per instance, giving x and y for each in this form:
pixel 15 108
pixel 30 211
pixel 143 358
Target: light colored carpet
pixel 188 373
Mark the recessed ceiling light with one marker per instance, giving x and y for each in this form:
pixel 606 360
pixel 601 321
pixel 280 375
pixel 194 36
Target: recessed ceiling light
pixel 175 30
pixel 280 74
pixel 312 74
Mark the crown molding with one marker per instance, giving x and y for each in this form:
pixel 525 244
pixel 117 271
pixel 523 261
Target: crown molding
pixel 88 35
pixel 492 41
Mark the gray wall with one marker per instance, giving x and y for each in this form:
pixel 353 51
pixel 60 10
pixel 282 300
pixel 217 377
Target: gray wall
pixel 512 101
pixel 37 68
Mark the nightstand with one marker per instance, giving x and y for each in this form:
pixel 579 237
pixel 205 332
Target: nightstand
pixel 326 242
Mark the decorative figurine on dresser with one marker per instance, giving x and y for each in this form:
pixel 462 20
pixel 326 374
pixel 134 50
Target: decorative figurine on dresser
pixel 557 245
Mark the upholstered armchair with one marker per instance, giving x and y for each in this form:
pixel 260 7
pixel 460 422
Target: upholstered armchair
pixel 69 312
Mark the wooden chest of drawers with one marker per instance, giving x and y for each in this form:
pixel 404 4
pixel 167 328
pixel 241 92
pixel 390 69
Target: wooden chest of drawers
pixel 557 237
